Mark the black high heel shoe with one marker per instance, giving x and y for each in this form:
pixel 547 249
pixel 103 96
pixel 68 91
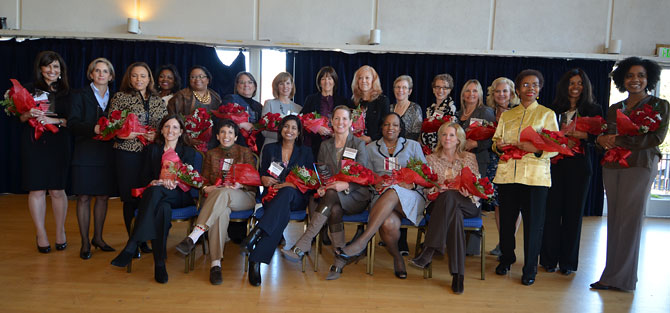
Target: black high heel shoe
pixel 457 283
pixel 102 246
pixel 254 273
pixel 85 254
pixel 145 248
pixel 249 243
pixel 61 246
pixel 123 259
pixel 348 259
pixel 502 269
pixel 46 249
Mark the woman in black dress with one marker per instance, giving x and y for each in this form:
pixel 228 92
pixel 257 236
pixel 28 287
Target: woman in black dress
pixel 367 94
pixel 92 163
pixel 45 161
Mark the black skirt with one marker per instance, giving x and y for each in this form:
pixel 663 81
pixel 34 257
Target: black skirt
pixel 45 162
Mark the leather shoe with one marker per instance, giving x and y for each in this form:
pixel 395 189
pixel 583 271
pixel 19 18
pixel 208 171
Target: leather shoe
pixel 145 248
pixel 254 273
pixel 527 280
pixel 502 269
pixel 566 272
pixel 123 259
pixel 85 254
pixel 61 246
pixel 457 283
pixel 549 269
pixel 215 275
pixel 160 273
pixel 102 246
pixel 597 285
pixel 137 253
pixel 46 249
pixel 249 243
pixel 186 245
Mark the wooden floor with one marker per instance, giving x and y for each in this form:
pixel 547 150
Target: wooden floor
pixel 62 282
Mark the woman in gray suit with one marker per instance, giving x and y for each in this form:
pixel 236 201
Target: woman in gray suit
pixel 337 197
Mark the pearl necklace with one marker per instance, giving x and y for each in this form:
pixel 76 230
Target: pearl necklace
pixel 204 99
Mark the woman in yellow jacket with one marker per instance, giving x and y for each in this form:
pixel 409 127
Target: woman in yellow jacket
pixel 523 183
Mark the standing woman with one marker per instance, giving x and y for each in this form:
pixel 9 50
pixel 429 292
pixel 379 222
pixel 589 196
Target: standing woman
pixel 46 161
pixel 283 90
pixel 629 187
pixel 367 93
pixel 524 183
pixel 169 82
pixel 137 96
pixel 279 159
pixel 409 111
pixel 245 90
pixel 196 95
pixel 154 214
pixel 472 111
pixel 442 85
pixel 93 160
pixel 570 176
pixel 323 103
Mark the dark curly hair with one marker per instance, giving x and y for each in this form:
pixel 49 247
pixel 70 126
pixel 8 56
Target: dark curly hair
pixel 562 100
pixel 227 123
pixel 177 78
pixel 623 66
pixel 298 139
pixel 402 123
pixel 184 139
pixel 528 72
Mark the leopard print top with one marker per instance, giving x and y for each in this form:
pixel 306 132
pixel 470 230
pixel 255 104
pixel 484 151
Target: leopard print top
pixel 134 104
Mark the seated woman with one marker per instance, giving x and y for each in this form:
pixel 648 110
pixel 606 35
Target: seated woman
pixel 400 200
pixel 221 200
pixel 278 160
pixel 451 206
pixel 155 208
pixel 337 197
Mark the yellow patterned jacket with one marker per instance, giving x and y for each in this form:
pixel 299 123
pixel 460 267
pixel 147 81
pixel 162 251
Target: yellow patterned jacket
pixel 529 170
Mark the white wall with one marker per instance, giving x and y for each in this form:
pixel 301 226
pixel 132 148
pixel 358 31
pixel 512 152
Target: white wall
pixel 539 27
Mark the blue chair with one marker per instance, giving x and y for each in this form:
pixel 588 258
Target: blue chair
pixel 404 223
pixel 355 219
pixel 299 216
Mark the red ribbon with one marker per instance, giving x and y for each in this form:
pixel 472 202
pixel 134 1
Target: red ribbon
pixel 616 155
pixel 272 192
pixel 41 128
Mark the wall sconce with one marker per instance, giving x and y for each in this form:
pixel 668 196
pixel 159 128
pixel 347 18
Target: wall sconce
pixel 133 25
pixel 375 37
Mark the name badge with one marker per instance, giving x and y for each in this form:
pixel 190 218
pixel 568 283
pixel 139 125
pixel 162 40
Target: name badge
pixel 391 164
pixel 350 153
pixel 226 164
pixel 275 169
pixel 438 114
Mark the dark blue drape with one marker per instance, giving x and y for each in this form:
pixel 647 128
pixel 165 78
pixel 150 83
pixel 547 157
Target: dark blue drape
pixel 423 67
pixel 17 58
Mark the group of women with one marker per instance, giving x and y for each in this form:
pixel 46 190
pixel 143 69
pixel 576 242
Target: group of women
pixel 549 197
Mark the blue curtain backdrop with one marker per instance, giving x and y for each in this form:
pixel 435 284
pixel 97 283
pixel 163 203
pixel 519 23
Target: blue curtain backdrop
pixel 423 67
pixel 17 58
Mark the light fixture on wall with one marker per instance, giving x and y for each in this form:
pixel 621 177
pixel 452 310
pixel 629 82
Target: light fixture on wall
pixel 133 25
pixel 614 47
pixel 375 37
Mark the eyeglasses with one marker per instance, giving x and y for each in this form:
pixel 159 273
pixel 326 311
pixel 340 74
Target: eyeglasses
pixel 527 85
pixel 201 77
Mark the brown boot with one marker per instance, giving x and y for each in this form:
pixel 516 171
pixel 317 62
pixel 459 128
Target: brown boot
pixel 304 244
pixel 337 235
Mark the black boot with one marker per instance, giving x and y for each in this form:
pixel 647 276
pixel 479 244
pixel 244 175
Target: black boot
pixel 248 244
pixel 254 273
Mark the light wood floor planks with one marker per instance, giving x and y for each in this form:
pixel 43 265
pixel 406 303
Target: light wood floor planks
pixel 61 282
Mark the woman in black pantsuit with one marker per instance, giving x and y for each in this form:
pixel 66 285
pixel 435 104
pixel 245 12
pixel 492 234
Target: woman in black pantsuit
pixel 92 162
pixel 46 161
pixel 570 177
pixel 155 207
pixel 288 153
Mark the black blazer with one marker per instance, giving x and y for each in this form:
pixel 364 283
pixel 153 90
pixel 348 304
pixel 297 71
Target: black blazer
pixel 374 114
pixel 313 102
pixel 153 160
pixel 301 156
pixel 84 115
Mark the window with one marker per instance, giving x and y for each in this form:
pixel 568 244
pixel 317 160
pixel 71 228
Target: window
pixel 228 56
pixel 273 62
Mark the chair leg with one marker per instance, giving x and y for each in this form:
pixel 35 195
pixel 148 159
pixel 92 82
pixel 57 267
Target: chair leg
pixel 371 254
pixel 129 268
pixel 317 252
pixel 483 244
pixel 419 232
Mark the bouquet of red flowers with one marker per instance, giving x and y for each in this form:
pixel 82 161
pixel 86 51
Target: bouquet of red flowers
pixel 312 122
pixel 18 101
pixel 358 121
pixel 479 131
pixel 232 111
pixel 616 155
pixel 245 174
pixel 594 125
pixel 433 123
pixel 480 187
pixel 416 172
pixel 640 122
pixel 546 140
pixel 187 175
pixel 199 127
pixel 269 122
pixel 511 152
pixel 353 172
pixel 426 150
pixel 303 178
pixel 119 124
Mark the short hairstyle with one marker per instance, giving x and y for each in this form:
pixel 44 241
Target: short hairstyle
pixel 184 139
pixel 199 67
pixel 402 123
pixel 529 72
pixel 406 78
pixel 480 92
pixel 376 84
pixel 251 77
pixel 327 71
pixel 445 77
pixel 45 58
pixel 562 100
pixel 125 82
pixel 177 78
pixel 460 134
pixel 227 123
pixel 513 98
pixel 623 66
pixel 290 117
pixel 280 78
pixel 91 67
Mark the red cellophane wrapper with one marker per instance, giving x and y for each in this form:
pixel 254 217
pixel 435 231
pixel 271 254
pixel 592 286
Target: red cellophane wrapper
pixel 245 174
pixel 170 162
pixel 199 127
pixel 232 111
pixel 624 125
pixel 119 124
pixel 312 122
pixel 594 125
pixel 576 149
pixel 477 131
pixel 250 137
pixel 19 100
pixel 270 194
pixel 616 155
pixel 353 172
pixel 416 172
pixel 550 141
pixel 269 122
pixel 467 180
pixel 142 138
pixel 432 124
pixel 358 121
pixel 303 178
pixel 511 152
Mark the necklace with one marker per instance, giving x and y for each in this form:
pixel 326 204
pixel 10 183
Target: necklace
pixel 204 99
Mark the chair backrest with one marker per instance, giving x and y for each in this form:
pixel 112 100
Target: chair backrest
pixel 197 165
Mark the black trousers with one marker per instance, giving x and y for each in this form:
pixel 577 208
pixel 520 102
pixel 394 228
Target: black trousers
pixel 274 221
pixel 531 202
pixel 154 217
pixel 565 208
pixel 128 168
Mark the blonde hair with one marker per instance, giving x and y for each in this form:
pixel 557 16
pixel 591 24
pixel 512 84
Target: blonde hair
pixel 513 98
pixel 280 78
pixel 480 92
pixel 406 78
pixel 460 134
pixel 91 68
pixel 376 85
